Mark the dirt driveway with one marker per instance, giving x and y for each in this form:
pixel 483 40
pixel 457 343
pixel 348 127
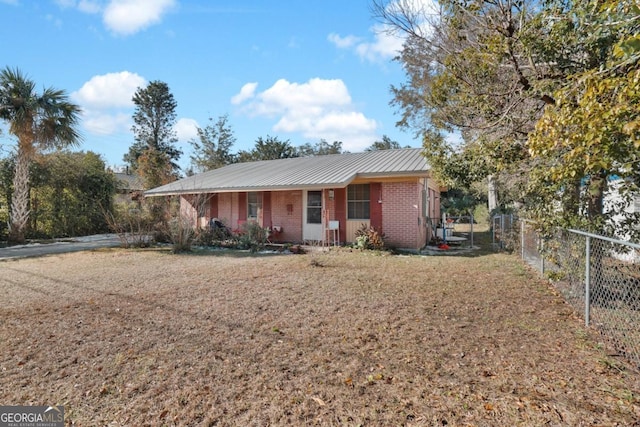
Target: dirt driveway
pixel 342 338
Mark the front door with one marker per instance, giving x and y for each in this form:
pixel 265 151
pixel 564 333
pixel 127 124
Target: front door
pixel 312 216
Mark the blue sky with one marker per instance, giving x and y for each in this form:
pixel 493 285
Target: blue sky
pixel 301 70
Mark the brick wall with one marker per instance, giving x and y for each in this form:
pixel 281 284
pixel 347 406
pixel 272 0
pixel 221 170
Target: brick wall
pixel 402 220
pixel 228 209
pixel 286 212
pixel 187 209
pixel 403 224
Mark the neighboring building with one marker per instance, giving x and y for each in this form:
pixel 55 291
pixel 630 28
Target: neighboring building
pixel 303 198
pixel 613 199
pixel 128 188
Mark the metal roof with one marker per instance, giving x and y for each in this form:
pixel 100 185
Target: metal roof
pixel 335 170
pixel 128 182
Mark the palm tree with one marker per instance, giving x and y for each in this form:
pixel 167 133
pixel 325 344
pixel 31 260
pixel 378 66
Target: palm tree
pixel 39 121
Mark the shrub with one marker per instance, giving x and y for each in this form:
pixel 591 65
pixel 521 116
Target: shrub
pixel 252 236
pixel 213 235
pixel 134 226
pixel 369 237
pixel 181 234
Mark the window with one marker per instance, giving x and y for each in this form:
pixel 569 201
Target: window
pixel 358 201
pixel 314 207
pixel 254 204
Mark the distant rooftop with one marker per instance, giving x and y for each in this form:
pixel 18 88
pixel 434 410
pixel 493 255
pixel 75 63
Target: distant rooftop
pixel 128 182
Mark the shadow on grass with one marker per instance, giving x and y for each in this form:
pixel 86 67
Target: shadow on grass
pixel 227 253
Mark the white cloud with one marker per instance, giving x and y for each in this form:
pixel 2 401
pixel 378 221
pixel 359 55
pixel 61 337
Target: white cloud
pixel 315 95
pixel 123 17
pixel 384 46
pixel 343 42
pixel 109 90
pixel 100 123
pixel 387 41
pixel 246 92
pixel 88 6
pixel 106 102
pixel 317 109
pixel 186 129
pixel 126 17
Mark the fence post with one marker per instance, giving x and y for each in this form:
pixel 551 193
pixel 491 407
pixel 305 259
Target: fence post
pixel 493 231
pixel 587 281
pixel 522 238
pixel 541 254
pixel 471 230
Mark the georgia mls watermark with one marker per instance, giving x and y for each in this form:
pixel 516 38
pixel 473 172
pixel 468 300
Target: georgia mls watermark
pixel 31 416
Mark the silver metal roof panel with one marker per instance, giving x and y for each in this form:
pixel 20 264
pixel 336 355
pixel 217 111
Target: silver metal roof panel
pixel 336 170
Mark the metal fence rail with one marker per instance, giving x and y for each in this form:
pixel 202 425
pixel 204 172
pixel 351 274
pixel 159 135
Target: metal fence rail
pixel 597 275
pixel 502 227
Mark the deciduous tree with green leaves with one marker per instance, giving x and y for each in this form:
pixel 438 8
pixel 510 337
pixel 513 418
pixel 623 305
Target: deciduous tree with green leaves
pixel 212 148
pixel 489 69
pixel 269 148
pixel 588 143
pixel 385 143
pixel 320 148
pixel 72 191
pixel 470 69
pixel 39 121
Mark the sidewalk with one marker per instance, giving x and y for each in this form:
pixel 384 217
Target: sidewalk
pixel 73 244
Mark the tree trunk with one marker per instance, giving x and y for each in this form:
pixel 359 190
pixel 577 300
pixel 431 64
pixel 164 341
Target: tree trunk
pixel 595 201
pixel 492 193
pixel 19 215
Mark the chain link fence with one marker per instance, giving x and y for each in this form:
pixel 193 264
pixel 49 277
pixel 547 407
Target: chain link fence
pixel 597 275
pixel 502 230
pixel 462 227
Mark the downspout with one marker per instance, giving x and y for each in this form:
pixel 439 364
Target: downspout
pixel 426 215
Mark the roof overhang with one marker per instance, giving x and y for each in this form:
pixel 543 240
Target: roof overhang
pixel 293 187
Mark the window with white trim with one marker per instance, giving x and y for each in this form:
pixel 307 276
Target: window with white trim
pixel 254 204
pixel 314 207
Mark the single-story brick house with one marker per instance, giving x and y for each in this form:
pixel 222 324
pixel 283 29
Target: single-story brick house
pixel 303 199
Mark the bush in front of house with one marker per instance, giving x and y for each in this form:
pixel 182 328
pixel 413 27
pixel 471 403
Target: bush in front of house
pixel 216 234
pixel 251 236
pixel 369 237
pixel 181 234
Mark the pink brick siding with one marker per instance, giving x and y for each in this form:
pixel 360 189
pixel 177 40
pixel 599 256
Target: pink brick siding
pixel 401 211
pixel 286 212
pixel 402 221
pixel 228 209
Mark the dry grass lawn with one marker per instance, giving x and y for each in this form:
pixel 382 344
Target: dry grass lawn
pixel 149 338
